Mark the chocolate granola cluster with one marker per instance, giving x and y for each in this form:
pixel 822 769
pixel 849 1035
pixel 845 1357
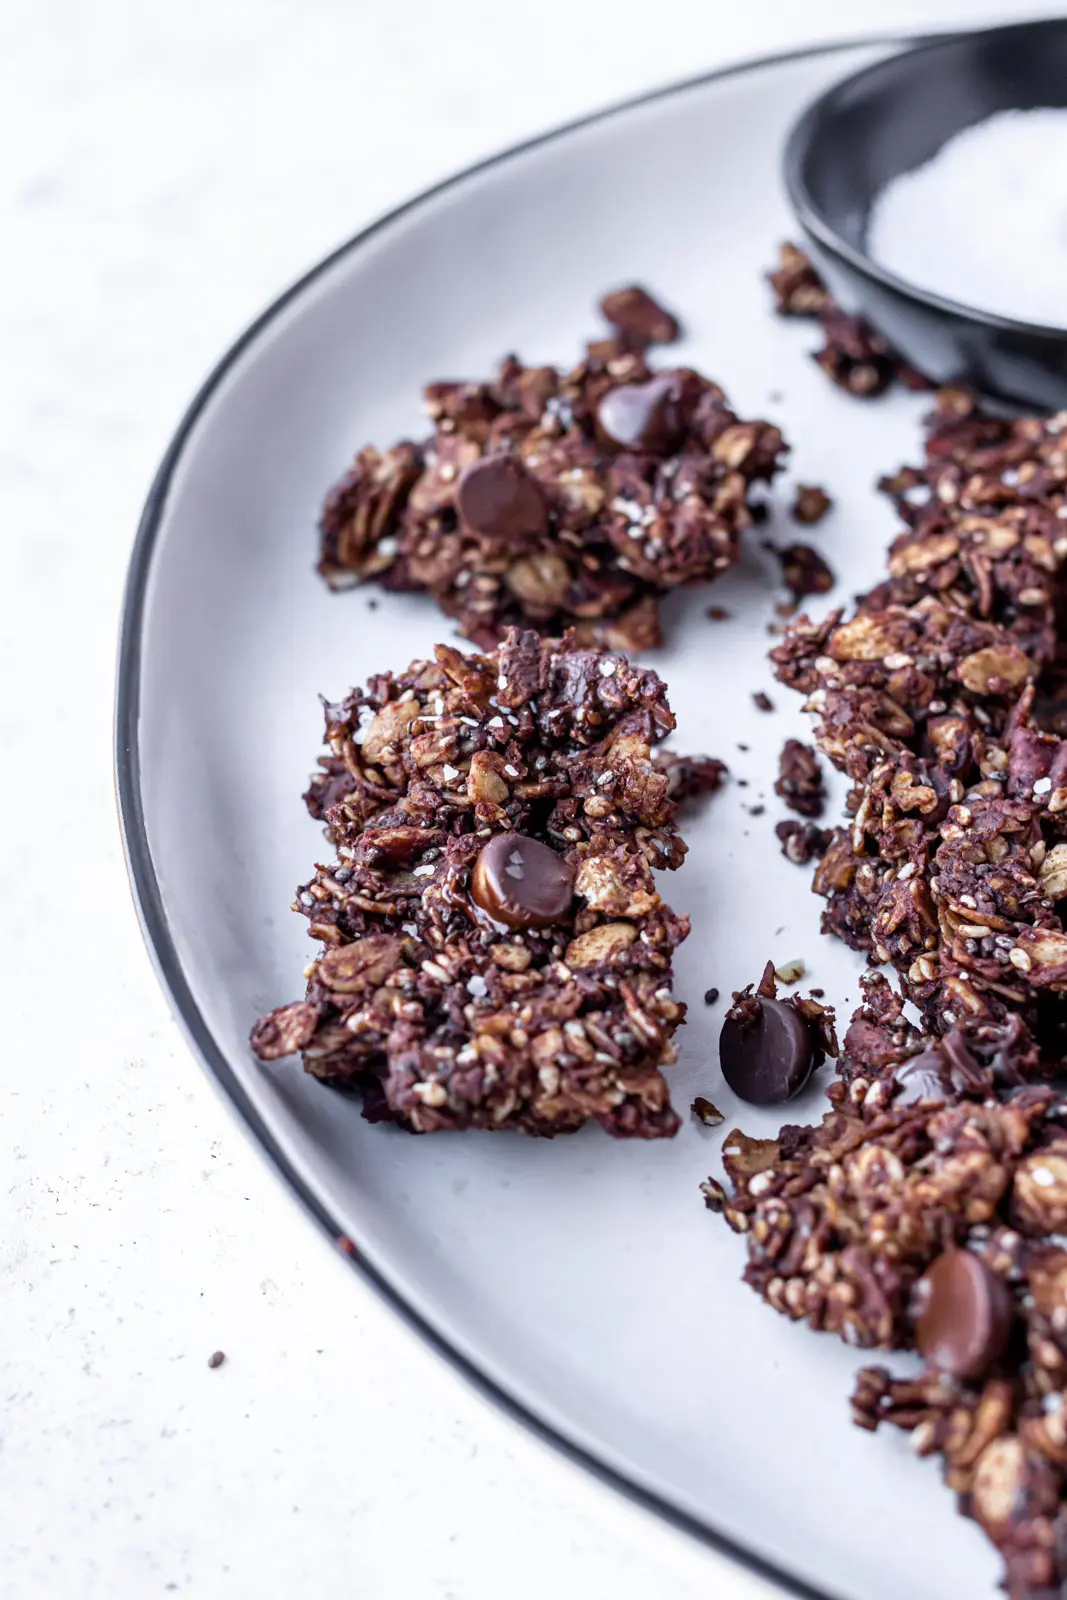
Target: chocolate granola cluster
pixel 940 1222
pixel 927 697
pixel 929 1207
pixel 853 355
pixel 494 952
pixel 550 499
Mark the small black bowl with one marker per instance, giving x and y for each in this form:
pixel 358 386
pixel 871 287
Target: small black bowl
pixel 889 119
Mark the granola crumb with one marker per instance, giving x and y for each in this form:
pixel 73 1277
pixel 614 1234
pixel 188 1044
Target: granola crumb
pixel 810 504
pixel 804 573
pixel 708 1114
pixel 800 780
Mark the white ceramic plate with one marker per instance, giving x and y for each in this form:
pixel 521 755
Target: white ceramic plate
pixel 581 1281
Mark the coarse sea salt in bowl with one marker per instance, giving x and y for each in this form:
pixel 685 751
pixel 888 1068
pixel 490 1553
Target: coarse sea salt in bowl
pixel 932 192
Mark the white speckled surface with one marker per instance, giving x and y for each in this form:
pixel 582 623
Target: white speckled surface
pixel 163 171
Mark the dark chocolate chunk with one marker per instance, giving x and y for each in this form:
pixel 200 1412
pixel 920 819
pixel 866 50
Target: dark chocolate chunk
pixel 766 1051
pixel 521 882
pixel 966 1315
pixel 646 417
pixel 499 499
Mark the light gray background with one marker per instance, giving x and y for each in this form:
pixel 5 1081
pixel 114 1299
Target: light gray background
pixel 163 172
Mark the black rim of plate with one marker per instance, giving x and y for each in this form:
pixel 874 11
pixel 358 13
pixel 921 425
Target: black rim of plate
pixel 145 885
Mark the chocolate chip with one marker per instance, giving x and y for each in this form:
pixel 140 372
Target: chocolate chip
pixel 919 1078
pixel 965 1317
pixel 766 1051
pixel 498 498
pixel 636 313
pixel 644 416
pixel 522 882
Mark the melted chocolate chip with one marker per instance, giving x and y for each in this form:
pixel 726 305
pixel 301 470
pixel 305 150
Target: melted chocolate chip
pixel 522 882
pixel 766 1051
pixel 499 499
pixel 965 1317
pixel 644 416
pixel 919 1078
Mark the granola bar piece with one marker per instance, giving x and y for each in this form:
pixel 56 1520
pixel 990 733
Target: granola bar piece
pixel 495 951
pixel 849 1226
pixel 552 499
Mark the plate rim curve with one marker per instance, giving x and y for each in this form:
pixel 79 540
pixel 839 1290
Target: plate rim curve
pixel 144 883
